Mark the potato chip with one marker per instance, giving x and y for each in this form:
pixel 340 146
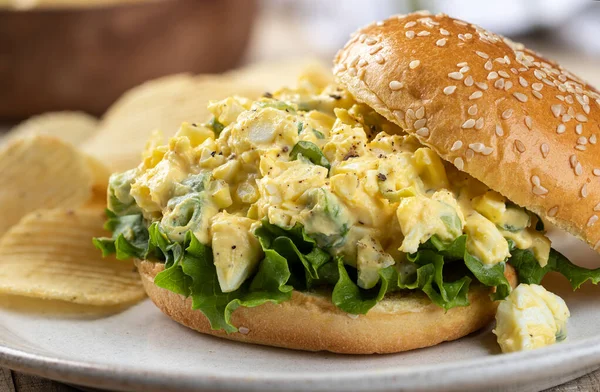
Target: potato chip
pixel 41 172
pixel 50 255
pixel 71 127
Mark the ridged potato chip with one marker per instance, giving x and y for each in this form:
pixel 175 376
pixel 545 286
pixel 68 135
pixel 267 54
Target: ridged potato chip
pixel 50 255
pixel 42 172
pixel 71 127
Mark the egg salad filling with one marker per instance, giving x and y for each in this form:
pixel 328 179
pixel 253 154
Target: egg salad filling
pixel 308 189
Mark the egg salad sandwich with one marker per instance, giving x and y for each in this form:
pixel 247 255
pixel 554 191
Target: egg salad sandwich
pixel 391 210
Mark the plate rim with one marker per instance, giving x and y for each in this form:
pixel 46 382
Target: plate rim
pixel 547 362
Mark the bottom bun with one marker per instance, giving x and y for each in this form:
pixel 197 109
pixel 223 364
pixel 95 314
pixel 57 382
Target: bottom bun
pixel 311 322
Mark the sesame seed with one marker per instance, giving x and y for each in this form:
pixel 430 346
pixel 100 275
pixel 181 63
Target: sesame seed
pixel 380 23
pixel 520 96
pixel 476 95
pixel 449 89
pixel 459 163
pixel 444 32
pixel 580 147
pixel 520 146
pixel 414 64
pixel 456 146
pixel 487 151
pixel 482 55
pixel 375 49
pixel 504 74
pixel 455 75
pixel 537 94
pixel 573 160
pixel 410 24
pixel 468 81
pixel 535 180
pixel 597 207
pixel 528 122
pixel 459 22
pixel 539 190
pixel 410 34
pixel 469 154
pixel 362 62
pixel 472 110
pixel 507 114
pixel 441 42
pixel 488 65
pixel 508 85
pixel 566 118
pixel 479 123
pixel 553 211
pixel 592 138
pixel 545 149
pixel 370 41
pixel 578 169
pixel 481 85
pixel 477 147
pixel 579 129
pixel 537 86
pixel 379 59
pixel 492 75
pixel 499 84
pixel 396 85
pixel 582 140
pixel 538 74
pixel 586 108
pixel 557 110
pixel 569 99
pixel 420 113
pixel 581 118
pixel 420 123
pixel 593 219
pixel 464 69
pixel 561 128
pixel 243 330
pixel 468 36
pixel 470 123
pixel 499 130
pixel 523 82
pixel 423 33
pixel 584 190
pixel 423 132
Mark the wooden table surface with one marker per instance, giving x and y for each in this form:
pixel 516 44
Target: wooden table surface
pixel 18 382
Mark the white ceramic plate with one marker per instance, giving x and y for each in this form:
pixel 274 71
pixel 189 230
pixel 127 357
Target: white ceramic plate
pixel 142 350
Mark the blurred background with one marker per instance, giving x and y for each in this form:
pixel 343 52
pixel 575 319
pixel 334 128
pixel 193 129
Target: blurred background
pixel 83 54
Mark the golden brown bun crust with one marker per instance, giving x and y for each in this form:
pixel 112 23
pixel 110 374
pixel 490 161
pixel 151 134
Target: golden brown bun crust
pixel 313 323
pixel 515 121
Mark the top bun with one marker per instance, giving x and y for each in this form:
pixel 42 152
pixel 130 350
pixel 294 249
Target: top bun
pixel 519 123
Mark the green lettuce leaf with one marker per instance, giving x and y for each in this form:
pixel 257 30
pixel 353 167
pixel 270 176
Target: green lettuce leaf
pixel 492 276
pixel 130 237
pixel 529 270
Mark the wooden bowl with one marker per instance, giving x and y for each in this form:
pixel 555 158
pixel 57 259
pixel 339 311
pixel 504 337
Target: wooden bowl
pixel 84 58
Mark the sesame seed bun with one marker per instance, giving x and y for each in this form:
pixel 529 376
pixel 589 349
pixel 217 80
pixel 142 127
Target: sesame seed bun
pixel 519 123
pixel 311 322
